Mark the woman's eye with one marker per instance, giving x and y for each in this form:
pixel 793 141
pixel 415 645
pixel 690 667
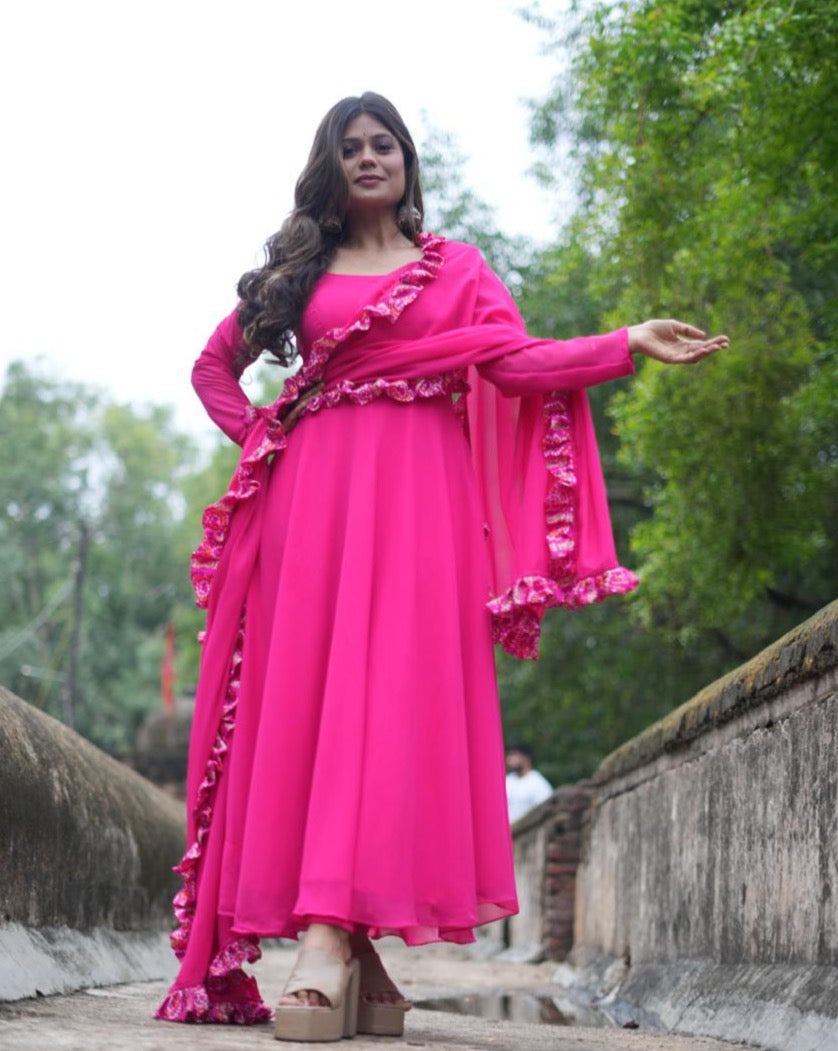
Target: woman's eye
pixel 385 147
pixel 348 151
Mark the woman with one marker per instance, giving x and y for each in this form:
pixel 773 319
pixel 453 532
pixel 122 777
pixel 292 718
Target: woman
pixel 346 766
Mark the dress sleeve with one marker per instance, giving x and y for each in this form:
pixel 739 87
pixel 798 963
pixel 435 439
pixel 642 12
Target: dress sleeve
pixel 215 377
pixel 538 366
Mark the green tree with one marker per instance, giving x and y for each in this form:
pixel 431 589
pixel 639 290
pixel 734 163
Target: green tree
pixel 706 141
pixel 45 440
pixel 702 139
pixel 138 577
pixel 601 676
pixel 454 209
pixel 91 566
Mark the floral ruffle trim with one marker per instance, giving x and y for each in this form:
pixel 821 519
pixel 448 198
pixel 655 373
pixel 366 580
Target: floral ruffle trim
pixel 232 999
pixel 244 484
pixel 408 286
pixel 217 517
pixel 396 390
pixel 184 901
pixel 517 613
pixel 229 995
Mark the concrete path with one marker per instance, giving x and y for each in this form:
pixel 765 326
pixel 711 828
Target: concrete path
pixel 118 1017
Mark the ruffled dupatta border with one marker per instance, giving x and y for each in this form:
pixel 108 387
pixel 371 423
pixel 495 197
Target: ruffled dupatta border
pixel 518 610
pixel 227 994
pixel 265 424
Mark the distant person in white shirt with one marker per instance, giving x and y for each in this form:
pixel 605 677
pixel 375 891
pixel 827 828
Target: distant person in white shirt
pixel 525 787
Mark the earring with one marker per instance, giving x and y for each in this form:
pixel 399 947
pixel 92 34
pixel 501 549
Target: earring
pixel 408 216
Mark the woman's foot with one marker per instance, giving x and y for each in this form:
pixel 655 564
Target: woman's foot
pixel 377 987
pixel 331 940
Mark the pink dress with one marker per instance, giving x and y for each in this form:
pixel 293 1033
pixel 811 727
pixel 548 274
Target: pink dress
pixel 347 762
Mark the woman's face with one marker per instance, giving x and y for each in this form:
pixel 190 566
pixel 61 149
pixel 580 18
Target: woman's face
pixel 373 164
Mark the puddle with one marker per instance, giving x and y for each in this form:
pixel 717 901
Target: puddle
pixel 518 1006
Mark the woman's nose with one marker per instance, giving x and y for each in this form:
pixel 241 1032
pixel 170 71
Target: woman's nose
pixel 367 155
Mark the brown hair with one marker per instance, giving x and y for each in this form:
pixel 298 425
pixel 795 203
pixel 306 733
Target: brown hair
pixel 273 297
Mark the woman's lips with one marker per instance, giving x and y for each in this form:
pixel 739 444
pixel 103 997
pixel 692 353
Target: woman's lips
pixel 369 180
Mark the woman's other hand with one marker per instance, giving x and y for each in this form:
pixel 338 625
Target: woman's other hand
pixel 673 342
pixel 297 409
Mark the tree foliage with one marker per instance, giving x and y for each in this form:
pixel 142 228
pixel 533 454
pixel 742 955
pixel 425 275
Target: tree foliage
pixel 706 139
pixel 92 567
pixel 454 209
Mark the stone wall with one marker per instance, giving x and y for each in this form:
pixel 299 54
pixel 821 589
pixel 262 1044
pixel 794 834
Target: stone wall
pixel 86 849
pixel 546 842
pixel 707 894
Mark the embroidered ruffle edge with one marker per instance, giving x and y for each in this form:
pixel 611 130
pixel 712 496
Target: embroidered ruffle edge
pixel 228 995
pixel 517 613
pixel 229 999
pixel 216 518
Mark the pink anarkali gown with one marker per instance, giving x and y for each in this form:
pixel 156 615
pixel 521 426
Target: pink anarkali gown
pixel 443 489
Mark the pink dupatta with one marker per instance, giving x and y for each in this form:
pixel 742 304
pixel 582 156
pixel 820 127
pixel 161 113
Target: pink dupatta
pixel 540 482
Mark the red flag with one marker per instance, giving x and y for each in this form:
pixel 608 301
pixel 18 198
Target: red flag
pixel 167 669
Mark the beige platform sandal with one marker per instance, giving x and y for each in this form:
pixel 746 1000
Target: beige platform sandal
pixel 379 1019
pixel 338 982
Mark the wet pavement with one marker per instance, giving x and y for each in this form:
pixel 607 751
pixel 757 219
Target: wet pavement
pixel 510 1004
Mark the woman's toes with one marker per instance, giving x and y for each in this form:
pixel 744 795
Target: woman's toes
pixel 304 998
pixel 384 997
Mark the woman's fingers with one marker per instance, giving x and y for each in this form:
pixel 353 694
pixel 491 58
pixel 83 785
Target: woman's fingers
pixel 695 351
pixel 676 342
pixel 689 331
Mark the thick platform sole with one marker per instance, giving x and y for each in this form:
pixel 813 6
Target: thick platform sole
pixel 380 1019
pixel 321 1024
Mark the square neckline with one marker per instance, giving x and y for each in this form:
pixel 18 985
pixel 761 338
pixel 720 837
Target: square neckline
pixel 388 273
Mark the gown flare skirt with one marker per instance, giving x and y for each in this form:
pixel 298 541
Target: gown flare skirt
pixel 346 763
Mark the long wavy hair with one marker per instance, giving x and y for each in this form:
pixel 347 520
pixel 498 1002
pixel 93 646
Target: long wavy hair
pixel 274 296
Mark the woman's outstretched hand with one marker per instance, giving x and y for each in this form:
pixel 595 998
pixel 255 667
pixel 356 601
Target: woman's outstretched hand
pixel 673 341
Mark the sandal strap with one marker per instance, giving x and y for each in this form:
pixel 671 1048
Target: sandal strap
pixel 374 977
pixel 318 971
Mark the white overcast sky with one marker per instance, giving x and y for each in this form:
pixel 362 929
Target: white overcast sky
pixel 151 146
